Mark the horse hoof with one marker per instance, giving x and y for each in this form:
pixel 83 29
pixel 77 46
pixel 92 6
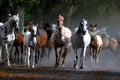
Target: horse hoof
pixel 9 65
pixel 56 65
pixel 62 65
pixel 76 66
pixel 81 67
pixel 28 66
pixel 33 66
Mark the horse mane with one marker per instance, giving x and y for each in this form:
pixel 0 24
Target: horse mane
pixel 7 25
pixel 79 31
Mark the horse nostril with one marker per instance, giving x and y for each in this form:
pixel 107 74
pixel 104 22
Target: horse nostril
pixel 84 32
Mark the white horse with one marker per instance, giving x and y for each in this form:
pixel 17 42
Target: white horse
pixel 29 44
pixel 80 39
pixel 7 35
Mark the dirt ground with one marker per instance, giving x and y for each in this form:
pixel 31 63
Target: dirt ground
pixel 108 68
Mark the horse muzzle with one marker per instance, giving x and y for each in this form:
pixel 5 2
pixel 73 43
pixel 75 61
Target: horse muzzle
pixel 83 32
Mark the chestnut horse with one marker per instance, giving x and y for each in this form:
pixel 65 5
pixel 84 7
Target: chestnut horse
pixel 18 42
pixel 50 32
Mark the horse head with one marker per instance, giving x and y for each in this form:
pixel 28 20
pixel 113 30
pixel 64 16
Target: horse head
pixel 53 29
pixel 34 30
pixel 93 27
pixel 83 27
pixel 16 21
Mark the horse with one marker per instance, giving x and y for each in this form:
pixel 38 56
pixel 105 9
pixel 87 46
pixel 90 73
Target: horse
pixel 108 42
pixel 18 42
pixel 50 29
pixel 7 35
pixel 34 38
pixel 59 44
pixel 95 44
pixel 80 39
pixel 118 37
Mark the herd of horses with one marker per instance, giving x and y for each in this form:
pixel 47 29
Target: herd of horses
pixel 49 37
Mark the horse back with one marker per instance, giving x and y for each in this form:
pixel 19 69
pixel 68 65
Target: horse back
pixel 42 37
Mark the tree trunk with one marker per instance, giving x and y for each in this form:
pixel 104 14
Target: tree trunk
pixel 21 15
pixel 68 17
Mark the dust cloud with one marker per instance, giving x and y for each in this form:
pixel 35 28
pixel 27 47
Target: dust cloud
pixel 108 61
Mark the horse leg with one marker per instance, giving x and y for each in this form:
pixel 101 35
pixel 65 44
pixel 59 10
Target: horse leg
pixel 91 53
pixel 43 52
pixel 49 51
pixel 82 57
pixel 57 57
pixel 0 53
pixel 37 55
pixel 12 55
pixel 76 58
pixel 17 54
pixel 7 54
pixel 33 57
pixel 97 53
pixel 21 57
pixel 28 57
pixel 25 54
pixel 64 55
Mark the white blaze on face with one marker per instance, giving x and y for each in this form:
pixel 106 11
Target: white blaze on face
pixel 84 24
pixel 34 29
pixel 17 19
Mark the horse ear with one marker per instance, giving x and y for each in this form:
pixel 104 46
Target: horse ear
pixel 17 14
pixel 90 25
pixel 95 25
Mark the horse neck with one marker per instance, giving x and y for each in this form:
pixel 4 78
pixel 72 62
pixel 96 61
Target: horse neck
pixel 8 28
pixel 59 33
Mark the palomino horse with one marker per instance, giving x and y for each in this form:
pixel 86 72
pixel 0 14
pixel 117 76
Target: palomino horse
pixel 34 38
pixel 80 39
pixel 108 42
pixel 7 35
pixel 95 44
pixel 18 42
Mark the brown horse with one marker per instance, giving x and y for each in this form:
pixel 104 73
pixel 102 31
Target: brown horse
pixel 50 32
pixel 18 42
